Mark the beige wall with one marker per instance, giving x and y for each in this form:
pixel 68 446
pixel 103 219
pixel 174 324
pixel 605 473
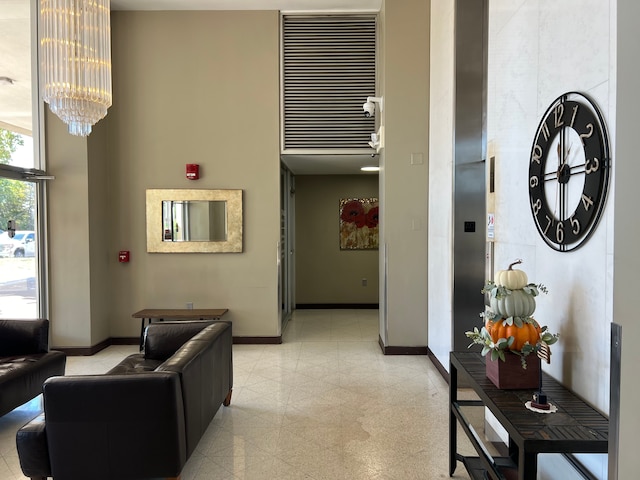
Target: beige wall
pixel 627 230
pixel 209 93
pixel 79 225
pixel 324 273
pixel 188 87
pixel 100 222
pixel 404 177
pixel 69 253
pixel 206 93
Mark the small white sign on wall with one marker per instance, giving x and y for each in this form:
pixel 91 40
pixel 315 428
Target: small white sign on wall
pixel 491 223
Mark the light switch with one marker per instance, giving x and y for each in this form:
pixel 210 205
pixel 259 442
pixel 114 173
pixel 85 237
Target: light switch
pixel 416 159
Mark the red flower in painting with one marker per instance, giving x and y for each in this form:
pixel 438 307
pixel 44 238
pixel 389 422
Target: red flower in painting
pixel 371 219
pixel 353 212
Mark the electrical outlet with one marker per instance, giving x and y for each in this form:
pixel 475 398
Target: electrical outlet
pixel 364 282
pixel 189 305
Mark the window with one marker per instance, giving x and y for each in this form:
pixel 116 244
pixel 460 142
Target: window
pixel 20 189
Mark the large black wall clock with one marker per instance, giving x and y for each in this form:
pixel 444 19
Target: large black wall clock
pixel 569 172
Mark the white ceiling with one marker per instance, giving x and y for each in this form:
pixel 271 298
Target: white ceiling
pixel 15 61
pixel 284 5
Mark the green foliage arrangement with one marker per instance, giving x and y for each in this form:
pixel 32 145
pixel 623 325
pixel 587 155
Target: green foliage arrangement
pixel 16 197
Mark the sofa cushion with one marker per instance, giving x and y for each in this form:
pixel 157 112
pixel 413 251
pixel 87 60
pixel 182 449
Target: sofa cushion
pixel 135 363
pixel 22 376
pixel 163 339
pixel 20 337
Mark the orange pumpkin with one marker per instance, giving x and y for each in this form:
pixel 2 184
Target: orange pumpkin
pixel 521 335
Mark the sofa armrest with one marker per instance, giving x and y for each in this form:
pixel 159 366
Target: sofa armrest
pixel 21 337
pixel 31 442
pixel 115 426
pixel 205 367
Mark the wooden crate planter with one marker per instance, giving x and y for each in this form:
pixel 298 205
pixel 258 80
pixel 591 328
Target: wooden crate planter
pixel 510 375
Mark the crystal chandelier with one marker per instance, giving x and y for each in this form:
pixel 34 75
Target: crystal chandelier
pixel 76 61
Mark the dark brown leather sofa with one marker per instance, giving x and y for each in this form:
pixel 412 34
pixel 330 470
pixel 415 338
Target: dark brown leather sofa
pixel 143 418
pixel 25 361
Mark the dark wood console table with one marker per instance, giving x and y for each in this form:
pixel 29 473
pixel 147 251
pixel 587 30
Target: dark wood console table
pixel 575 428
pixel 150 314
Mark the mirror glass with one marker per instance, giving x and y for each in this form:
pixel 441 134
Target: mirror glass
pixel 194 221
pixel 185 221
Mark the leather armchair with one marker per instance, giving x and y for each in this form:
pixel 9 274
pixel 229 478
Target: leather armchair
pixel 25 361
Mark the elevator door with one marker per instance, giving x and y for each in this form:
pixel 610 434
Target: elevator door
pixel 469 170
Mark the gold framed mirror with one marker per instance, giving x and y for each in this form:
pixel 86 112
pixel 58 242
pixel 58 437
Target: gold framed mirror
pixel 194 221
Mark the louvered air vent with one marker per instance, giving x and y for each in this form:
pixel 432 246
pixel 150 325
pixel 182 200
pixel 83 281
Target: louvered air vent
pixel 329 69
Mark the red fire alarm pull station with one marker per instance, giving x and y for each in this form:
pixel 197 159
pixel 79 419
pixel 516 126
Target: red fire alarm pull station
pixel 123 256
pixel 193 171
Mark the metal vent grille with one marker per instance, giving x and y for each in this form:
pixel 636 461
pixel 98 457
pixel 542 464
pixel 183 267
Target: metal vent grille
pixel 328 71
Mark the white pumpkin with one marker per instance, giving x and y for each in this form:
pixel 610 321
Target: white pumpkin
pixel 516 304
pixel 511 278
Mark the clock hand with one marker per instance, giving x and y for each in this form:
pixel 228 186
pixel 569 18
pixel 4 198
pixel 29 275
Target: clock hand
pixel 567 155
pixel 562 176
pixel 577 169
pixel 563 201
pixel 564 170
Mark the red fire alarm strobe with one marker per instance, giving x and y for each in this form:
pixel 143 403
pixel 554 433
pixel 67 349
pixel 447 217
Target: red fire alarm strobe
pixel 193 171
pixel 123 256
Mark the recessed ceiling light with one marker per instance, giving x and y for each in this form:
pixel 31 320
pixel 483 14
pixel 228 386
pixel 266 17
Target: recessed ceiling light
pixel 370 169
pixel 6 81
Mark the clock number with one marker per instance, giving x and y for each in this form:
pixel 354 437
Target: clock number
pixel 558 113
pixel 533 182
pixel 588 134
pixel 560 232
pixel 536 206
pixel 591 166
pixel 537 154
pixel 587 202
pixel 545 131
pixel 549 223
pixel 573 117
pixel 575 226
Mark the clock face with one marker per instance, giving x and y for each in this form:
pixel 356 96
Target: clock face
pixel 569 172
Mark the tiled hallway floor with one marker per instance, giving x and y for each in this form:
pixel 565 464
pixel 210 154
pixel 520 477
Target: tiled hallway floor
pixel 325 404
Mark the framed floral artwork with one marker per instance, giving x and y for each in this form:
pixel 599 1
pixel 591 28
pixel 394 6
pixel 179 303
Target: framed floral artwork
pixel 358 223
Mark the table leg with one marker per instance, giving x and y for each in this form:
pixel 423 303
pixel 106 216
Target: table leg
pixel 141 333
pixel 514 451
pixel 527 465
